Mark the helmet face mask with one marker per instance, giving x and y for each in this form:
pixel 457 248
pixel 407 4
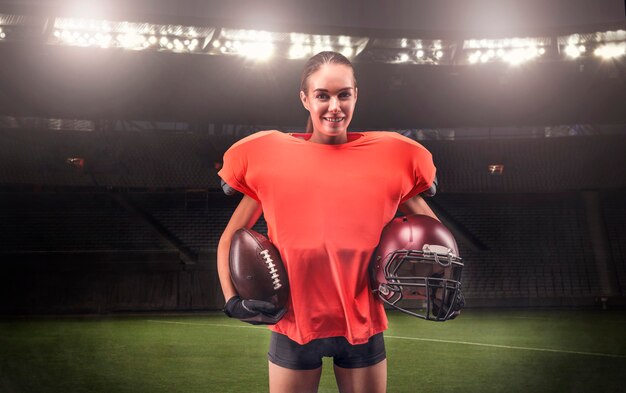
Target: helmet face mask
pixel 416 269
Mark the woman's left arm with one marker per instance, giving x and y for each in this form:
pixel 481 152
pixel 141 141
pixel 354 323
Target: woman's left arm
pixel 417 205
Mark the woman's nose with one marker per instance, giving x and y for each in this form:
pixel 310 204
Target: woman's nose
pixel 334 104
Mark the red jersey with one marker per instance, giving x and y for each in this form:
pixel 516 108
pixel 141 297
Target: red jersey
pixel 325 208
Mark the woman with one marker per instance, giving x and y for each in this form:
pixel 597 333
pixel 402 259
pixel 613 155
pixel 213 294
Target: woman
pixel 326 196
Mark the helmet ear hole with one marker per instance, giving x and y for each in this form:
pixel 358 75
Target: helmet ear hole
pixel 416 268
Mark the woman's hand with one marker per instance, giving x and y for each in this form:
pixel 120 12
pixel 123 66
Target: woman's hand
pixel 255 312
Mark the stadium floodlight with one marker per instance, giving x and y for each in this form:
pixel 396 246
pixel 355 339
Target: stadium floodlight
pixel 509 50
pixel 20 27
pixel 251 44
pixel 255 50
pixel 6 21
pixel 261 45
pixel 611 44
pixel 603 44
pixel 611 36
pixel 347 51
pixel 411 51
pixel 611 50
pixel 575 46
pixel 573 51
pixel 129 35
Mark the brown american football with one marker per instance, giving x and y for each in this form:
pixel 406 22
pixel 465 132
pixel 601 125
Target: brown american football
pixel 256 268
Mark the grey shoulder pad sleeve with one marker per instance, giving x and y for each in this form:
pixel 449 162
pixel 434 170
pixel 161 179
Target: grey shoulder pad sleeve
pixel 228 190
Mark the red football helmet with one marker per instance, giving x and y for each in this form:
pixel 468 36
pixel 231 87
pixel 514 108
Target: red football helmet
pixel 417 270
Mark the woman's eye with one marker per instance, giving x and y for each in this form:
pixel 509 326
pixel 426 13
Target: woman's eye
pixel 326 96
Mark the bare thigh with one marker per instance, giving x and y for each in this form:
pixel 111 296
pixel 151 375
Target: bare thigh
pixel 372 379
pixel 285 380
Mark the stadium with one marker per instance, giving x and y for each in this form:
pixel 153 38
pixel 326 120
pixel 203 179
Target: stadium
pixel 114 119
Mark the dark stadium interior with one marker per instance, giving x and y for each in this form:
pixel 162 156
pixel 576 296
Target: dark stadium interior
pixel 109 194
pixel 148 206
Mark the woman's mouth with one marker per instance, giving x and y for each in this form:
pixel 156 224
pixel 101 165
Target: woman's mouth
pixel 334 119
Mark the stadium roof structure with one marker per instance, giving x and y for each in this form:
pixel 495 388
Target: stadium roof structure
pixel 143 61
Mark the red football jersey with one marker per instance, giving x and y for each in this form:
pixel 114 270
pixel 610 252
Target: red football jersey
pixel 325 208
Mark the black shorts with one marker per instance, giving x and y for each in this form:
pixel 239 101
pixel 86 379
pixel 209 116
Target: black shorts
pixel 287 353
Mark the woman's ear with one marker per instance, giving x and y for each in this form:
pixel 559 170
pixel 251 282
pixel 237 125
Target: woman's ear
pixel 356 93
pixel 304 99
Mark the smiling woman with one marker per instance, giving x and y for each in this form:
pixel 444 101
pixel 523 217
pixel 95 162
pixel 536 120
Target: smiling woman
pixel 326 196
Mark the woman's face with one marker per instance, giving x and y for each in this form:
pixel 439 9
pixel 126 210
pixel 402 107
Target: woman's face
pixel 330 100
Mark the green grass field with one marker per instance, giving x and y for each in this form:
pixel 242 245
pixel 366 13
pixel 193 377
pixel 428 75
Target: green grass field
pixel 482 351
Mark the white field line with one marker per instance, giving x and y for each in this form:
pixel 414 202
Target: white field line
pixel 611 355
pixel 209 324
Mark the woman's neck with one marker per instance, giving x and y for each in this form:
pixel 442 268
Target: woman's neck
pixel 328 140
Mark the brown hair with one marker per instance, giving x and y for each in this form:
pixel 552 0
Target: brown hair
pixel 314 64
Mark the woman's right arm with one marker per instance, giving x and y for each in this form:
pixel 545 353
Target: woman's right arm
pixel 245 215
